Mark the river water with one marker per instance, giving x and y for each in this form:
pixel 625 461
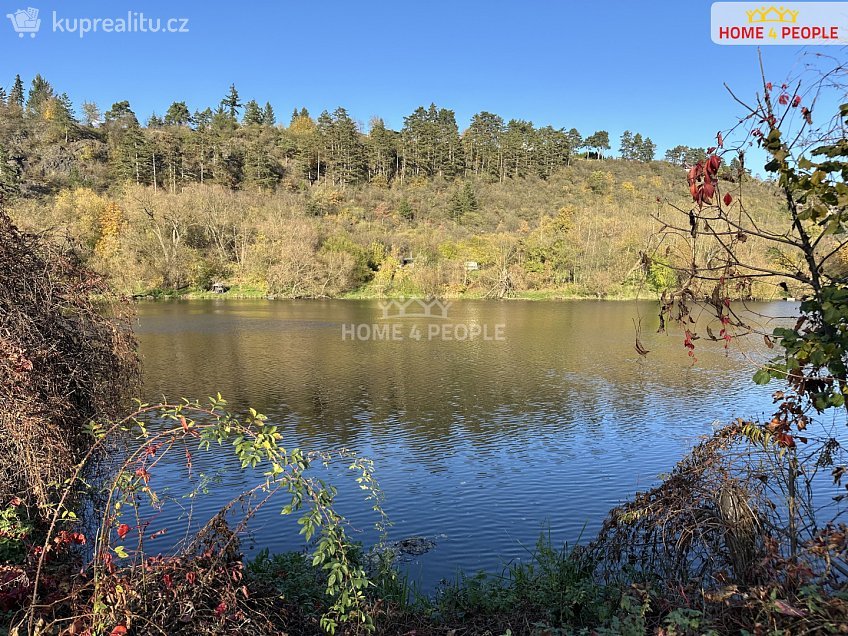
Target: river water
pixel 488 422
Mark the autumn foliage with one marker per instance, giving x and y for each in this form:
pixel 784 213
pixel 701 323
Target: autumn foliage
pixel 67 355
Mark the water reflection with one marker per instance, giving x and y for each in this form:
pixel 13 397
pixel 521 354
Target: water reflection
pixel 479 442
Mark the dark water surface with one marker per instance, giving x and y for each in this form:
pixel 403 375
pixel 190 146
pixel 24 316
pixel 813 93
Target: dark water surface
pixel 479 444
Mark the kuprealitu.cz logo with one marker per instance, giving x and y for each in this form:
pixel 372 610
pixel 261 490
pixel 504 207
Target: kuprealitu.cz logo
pixel 25 21
pixel 28 22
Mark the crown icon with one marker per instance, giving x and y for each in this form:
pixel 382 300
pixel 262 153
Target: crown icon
pixel 772 14
pixel 415 308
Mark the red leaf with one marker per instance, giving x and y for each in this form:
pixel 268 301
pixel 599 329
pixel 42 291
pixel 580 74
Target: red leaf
pixel 728 199
pixel 123 530
pixel 142 472
pixel 120 630
pixel 785 439
pixel 720 139
pixel 713 164
pixel 708 192
pixel 796 101
pixel 783 99
pixel 808 116
pixel 769 86
pixel 221 609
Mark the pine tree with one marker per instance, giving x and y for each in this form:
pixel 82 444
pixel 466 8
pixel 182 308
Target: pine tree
pixel 676 156
pixel 626 147
pixel 252 114
pixel 636 150
pixel 39 94
pixel 260 167
pixel 598 141
pixel 381 150
pixel 694 155
pixel 575 142
pixel 128 152
pixel 463 201
pixel 549 150
pixel 59 111
pixel 450 160
pixel 268 117
pixel 405 210
pixel 231 103
pixel 519 147
pixel 647 150
pixel 200 150
pixel 177 115
pixel 346 151
pixel 16 96
pixel 483 150
pixel 2 96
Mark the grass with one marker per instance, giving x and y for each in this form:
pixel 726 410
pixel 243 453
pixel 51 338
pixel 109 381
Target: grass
pixel 236 291
pixel 551 592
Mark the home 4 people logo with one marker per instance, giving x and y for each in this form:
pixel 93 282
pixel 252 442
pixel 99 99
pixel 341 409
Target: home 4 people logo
pixel 25 21
pixel 415 308
pixel 421 319
pixel 798 23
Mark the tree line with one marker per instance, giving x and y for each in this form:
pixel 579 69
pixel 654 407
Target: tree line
pixel 46 145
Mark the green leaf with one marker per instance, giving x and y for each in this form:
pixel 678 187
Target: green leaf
pixel 762 376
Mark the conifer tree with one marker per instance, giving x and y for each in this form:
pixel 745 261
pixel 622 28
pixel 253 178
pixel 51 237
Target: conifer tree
pixel 268 117
pixel 231 103
pixel 252 114
pixel 463 201
pixel 39 94
pixel 177 115
pixel 16 96
pixel 626 147
pixel 647 150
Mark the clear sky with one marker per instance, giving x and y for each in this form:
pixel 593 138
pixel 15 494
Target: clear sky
pixel 645 66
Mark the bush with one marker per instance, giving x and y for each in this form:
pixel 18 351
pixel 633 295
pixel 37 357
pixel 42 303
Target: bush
pixel 67 355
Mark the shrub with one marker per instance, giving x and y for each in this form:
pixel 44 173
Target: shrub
pixel 67 355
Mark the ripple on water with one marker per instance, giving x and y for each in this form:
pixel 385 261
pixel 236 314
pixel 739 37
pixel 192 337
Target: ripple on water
pixel 482 444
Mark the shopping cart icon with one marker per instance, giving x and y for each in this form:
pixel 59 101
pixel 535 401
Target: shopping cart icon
pixel 25 21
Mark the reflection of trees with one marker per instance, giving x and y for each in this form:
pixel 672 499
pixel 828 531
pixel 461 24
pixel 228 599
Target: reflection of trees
pixel 565 368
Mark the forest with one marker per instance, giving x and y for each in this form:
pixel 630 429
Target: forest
pixel 324 206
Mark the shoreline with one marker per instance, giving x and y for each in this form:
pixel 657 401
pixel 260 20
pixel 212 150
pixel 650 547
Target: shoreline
pixel 547 297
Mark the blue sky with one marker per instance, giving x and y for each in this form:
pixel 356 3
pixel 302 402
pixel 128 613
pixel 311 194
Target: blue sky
pixel 645 66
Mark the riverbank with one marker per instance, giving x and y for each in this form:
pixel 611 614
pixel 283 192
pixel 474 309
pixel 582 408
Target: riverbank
pixel 249 292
